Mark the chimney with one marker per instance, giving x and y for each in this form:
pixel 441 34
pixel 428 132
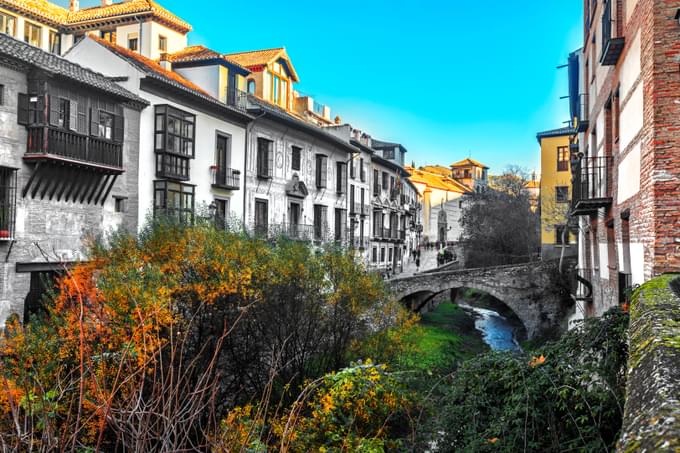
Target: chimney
pixel 74 5
pixel 107 2
pixel 165 62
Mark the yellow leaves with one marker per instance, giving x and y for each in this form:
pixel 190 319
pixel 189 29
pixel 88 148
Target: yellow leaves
pixel 327 404
pixel 493 440
pixel 537 361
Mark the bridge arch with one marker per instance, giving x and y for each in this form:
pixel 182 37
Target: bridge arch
pixel 526 289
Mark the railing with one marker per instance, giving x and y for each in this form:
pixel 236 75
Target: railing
pixel 612 46
pixel 583 112
pixel 237 99
pixel 296 232
pixel 47 140
pixel 591 187
pixel 582 287
pixel 227 178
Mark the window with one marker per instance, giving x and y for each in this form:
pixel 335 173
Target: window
pixel 317 108
pixel 385 180
pixel 340 224
pixel 388 153
pixel 562 158
pixel 362 170
pixel 562 194
pixel 8 202
pixel 251 87
pixel 321 171
pixel 320 222
pixel 32 34
pixel 174 131
pixel 559 235
pixel 224 176
pixel 120 204
pixel 64 106
pixel 2 94
pixel 133 43
pixel 382 254
pixel 265 158
pixel 8 24
pixel 261 216
pixel 615 116
pixel 376 183
pixel 374 255
pixel 109 36
pixel 279 86
pixel 389 255
pixel 162 43
pixel 352 168
pixel 105 125
pixel 221 213
pixel 295 162
pixel 341 178
pixel 174 200
pixel 55 42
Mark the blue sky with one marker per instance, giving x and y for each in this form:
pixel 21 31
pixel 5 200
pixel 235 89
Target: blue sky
pixel 447 79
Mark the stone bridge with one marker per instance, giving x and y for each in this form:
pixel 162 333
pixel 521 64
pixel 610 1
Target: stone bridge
pixel 527 289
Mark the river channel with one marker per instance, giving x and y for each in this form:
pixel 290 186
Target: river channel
pixel 497 331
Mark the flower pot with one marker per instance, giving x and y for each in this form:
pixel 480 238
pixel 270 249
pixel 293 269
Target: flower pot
pixel 4 234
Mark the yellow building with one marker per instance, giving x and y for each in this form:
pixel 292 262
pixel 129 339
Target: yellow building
pixel 555 194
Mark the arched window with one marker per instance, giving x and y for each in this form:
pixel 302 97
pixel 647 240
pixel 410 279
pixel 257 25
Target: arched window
pixel 251 87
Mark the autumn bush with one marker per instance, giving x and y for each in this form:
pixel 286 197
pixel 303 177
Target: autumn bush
pixel 149 344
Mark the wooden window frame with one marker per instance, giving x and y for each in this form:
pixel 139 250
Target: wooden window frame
pixel 321 171
pixel 563 164
pixel 8 202
pixel 162 43
pixel 4 26
pixel 27 26
pixel 264 164
pixel 187 200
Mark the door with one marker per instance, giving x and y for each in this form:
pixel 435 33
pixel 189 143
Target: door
pixel 294 216
pixel 222 159
pixel 41 285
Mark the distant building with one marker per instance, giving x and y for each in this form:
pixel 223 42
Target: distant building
pixel 471 173
pixel 142 26
pixel 555 193
pixel 442 203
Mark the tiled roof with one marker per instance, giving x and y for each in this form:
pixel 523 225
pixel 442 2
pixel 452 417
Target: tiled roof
pixel 150 66
pixel 468 162
pixel 533 184
pixel 438 169
pixel 53 64
pixel 263 57
pixel 58 15
pixel 128 7
pixel 436 181
pixel 200 53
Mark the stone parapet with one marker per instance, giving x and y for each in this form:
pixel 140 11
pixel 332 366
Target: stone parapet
pixel 652 414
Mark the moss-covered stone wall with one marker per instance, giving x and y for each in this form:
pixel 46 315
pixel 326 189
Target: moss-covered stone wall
pixel 652 414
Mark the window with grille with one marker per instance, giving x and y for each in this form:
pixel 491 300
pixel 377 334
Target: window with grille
pixel 174 200
pixel 296 158
pixel 321 171
pixel 8 202
pixel 562 194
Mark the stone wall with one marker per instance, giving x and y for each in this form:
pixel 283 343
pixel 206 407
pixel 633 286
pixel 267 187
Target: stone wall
pixel 652 414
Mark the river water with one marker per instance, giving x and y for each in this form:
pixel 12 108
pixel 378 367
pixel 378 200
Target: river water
pixel 497 331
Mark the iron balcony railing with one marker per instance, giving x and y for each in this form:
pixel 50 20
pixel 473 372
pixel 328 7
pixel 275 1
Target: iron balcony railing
pixel 46 141
pixel 296 232
pixel 238 99
pixel 581 284
pixel 591 185
pixel 227 178
pixel 612 42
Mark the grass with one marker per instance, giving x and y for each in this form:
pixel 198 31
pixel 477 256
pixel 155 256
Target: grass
pixel 445 337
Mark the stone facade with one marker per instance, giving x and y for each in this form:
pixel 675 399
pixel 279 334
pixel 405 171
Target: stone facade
pixel 633 115
pixel 48 232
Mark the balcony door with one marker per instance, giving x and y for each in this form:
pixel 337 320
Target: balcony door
pixel 294 214
pixel 222 157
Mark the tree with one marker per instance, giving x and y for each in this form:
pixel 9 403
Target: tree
pixel 499 226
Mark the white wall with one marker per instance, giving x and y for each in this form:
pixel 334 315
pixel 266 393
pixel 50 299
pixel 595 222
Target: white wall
pixel 630 68
pixel 90 54
pixel 632 117
pixel 629 175
pixel 207 77
pixel 176 40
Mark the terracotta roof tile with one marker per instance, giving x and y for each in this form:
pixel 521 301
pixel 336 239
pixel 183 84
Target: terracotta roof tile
pixel 58 15
pixel 149 65
pixel 262 57
pixel 436 181
pixel 199 53
pixel 467 162
pixel 53 64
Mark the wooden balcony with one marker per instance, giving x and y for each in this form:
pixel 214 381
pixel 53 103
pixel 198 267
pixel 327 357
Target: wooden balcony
pixel 46 143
